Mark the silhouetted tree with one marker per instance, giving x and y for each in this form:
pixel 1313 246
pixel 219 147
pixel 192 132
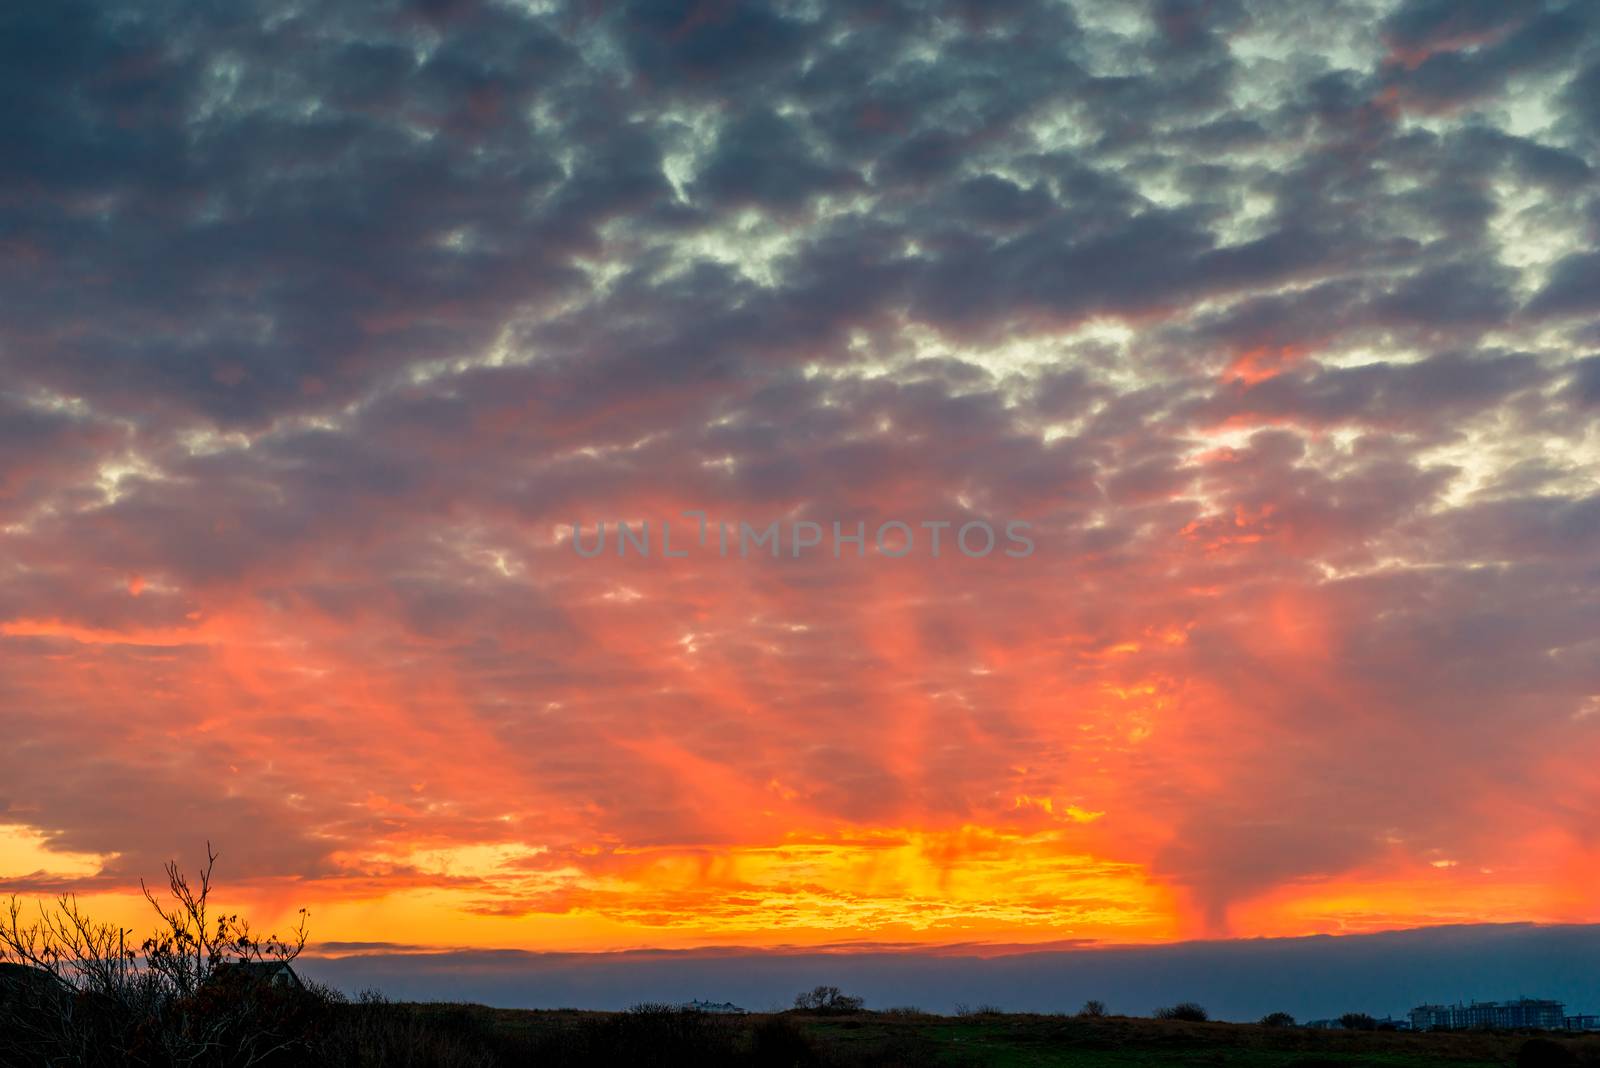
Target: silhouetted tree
pixel 827 999
pixel 1358 1021
pixel 1093 1008
pixel 1277 1019
pixel 1183 1010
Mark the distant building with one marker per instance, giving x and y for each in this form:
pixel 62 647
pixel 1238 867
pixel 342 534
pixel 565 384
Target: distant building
pixel 1524 1014
pixel 720 1007
pixel 1582 1022
pixel 258 973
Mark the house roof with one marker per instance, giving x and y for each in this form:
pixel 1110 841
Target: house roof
pixel 261 971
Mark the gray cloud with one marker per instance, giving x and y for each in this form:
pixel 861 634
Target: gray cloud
pixel 321 326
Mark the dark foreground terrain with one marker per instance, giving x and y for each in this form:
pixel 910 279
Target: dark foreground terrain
pixel 480 1035
pixel 265 1028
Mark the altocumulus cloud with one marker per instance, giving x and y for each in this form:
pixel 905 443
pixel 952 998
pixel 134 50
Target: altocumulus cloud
pixel 1273 320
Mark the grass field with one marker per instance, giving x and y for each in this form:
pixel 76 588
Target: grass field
pixel 1006 1040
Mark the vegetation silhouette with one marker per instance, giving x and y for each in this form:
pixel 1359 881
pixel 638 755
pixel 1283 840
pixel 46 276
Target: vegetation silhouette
pixel 81 991
pixel 1184 1010
pixel 827 999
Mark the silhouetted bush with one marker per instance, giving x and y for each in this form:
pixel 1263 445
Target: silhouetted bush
pixel 1183 1010
pixel 197 991
pixel 1358 1021
pixel 827 999
pixel 1093 1008
pixel 1277 1019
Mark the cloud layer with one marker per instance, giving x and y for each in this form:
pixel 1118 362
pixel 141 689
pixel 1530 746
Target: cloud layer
pixel 1274 321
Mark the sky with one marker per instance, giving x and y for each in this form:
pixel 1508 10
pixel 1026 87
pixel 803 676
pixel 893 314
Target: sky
pixel 1314 978
pixel 1261 336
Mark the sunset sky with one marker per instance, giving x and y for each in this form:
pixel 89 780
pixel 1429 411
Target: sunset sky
pixel 322 325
